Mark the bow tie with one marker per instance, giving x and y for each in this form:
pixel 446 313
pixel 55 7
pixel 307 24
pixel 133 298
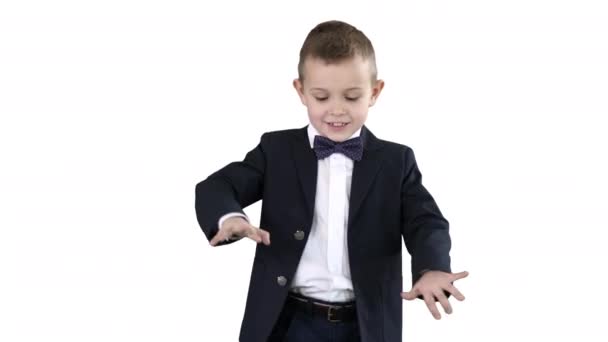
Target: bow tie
pixel 352 148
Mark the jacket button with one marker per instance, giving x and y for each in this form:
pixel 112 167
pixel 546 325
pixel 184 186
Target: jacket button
pixel 299 235
pixel 282 281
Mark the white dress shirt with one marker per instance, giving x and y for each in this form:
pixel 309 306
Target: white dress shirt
pixel 324 270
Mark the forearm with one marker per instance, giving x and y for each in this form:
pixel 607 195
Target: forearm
pixel 429 247
pixel 214 199
pixel 425 231
pixel 229 190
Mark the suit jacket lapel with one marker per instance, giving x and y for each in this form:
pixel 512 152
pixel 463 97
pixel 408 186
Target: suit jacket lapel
pixel 306 168
pixel 364 173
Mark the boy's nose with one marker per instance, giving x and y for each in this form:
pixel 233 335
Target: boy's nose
pixel 337 110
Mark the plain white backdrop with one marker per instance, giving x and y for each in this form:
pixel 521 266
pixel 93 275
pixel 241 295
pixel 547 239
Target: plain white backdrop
pixel 110 109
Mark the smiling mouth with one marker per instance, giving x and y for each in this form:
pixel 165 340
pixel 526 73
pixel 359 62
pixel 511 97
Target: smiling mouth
pixel 337 124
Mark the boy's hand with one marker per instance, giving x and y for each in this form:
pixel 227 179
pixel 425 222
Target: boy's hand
pixel 239 227
pixel 431 285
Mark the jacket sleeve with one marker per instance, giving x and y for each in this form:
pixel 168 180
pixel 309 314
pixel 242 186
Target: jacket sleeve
pixel 425 231
pixel 230 189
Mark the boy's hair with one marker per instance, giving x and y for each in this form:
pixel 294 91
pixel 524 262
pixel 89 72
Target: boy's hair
pixel 334 41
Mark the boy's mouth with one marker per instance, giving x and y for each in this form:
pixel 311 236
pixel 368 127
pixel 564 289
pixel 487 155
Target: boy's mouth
pixel 337 124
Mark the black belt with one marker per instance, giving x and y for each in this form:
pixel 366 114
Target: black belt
pixel 333 312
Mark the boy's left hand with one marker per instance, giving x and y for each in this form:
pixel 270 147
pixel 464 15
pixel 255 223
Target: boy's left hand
pixel 431 285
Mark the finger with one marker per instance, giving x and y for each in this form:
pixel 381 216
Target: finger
pixel 253 234
pixel 265 235
pixel 219 236
pixel 460 275
pixel 258 235
pixel 444 301
pixel 429 299
pixel 455 292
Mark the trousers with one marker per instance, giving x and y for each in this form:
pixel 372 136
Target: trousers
pixel 295 325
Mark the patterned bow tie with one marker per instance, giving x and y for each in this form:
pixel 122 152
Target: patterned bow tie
pixel 352 148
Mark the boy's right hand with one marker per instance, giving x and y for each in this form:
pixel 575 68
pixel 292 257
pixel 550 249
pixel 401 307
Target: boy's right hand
pixel 239 227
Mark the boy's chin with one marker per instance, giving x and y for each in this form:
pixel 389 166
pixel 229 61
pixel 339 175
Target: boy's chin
pixel 339 136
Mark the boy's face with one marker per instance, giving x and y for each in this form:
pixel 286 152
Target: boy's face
pixel 338 95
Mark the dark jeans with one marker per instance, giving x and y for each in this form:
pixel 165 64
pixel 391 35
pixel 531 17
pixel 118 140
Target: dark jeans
pixel 299 326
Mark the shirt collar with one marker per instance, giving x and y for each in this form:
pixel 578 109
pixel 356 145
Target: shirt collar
pixel 312 131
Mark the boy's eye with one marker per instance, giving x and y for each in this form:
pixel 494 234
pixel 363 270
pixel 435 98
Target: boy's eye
pixel 321 99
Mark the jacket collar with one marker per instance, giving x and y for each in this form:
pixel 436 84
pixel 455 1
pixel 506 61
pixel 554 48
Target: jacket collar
pixel 364 171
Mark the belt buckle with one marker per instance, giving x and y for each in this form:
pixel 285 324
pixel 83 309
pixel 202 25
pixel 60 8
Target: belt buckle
pixel 329 315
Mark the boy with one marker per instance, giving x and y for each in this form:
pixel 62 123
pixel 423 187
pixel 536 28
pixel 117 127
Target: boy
pixel 336 203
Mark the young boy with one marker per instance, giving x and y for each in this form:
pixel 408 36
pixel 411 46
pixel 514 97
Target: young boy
pixel 336 203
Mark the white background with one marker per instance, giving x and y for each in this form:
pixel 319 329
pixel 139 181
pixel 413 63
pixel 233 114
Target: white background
pixel 109 110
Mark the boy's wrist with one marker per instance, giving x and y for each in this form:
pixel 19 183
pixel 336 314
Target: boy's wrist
pixel 226 217
pixel 229 215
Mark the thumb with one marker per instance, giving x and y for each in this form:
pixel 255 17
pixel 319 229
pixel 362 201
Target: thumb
pixel 460 275
pixel 413 294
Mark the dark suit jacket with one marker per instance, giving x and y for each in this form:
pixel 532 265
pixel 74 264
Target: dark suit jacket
pixel 388 202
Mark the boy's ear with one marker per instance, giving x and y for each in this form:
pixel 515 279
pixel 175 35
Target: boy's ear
pixel 376 90
pixel 297 84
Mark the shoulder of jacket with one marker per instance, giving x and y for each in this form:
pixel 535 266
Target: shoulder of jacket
pixel 279 135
